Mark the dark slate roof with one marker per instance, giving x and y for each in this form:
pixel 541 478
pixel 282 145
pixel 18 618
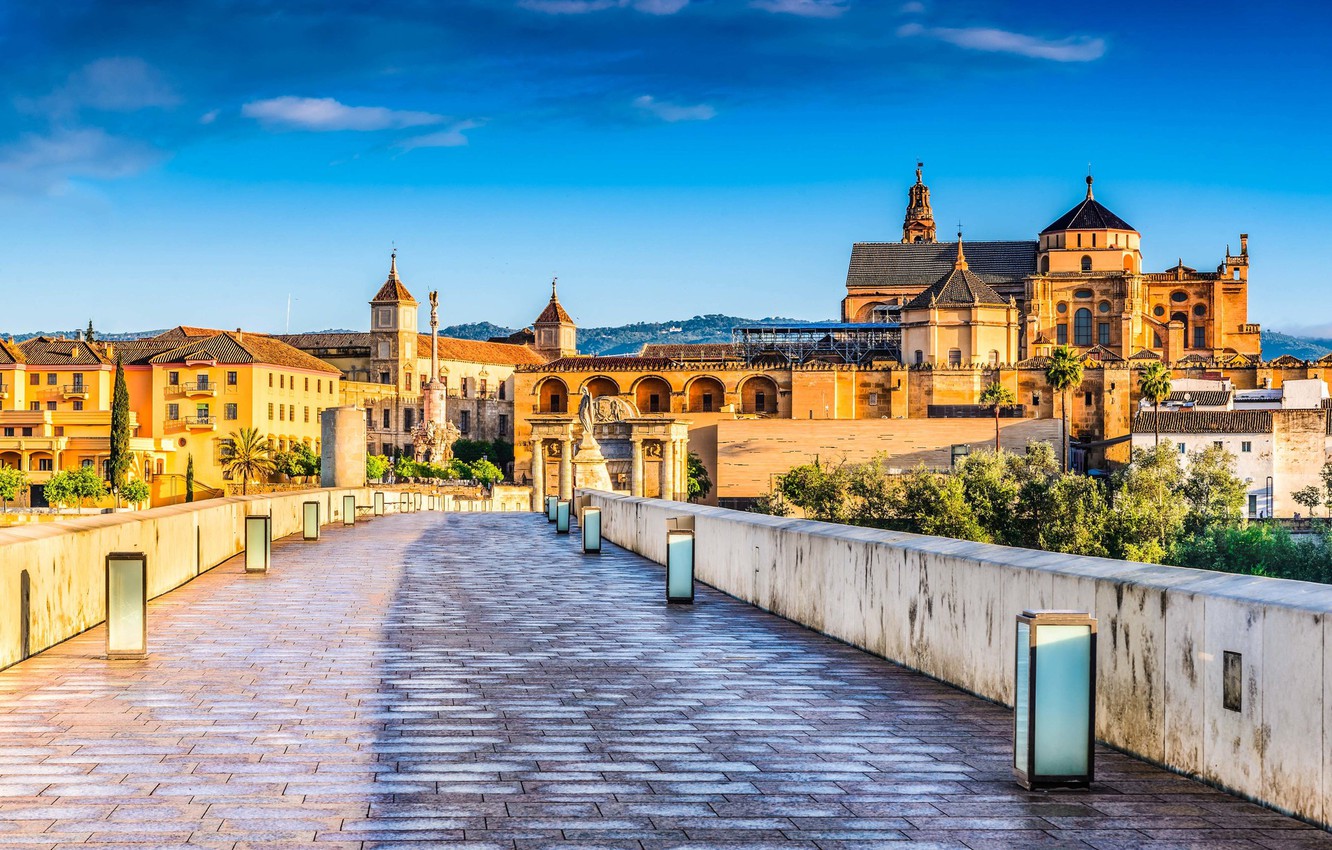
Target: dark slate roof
pixel 690 351
pixel 54 351
pixel 919 264
pixel 1207 398
pixel 960 286
pixel 1204 422
pixel 608 364
pixel 10 353
pixel 1091 214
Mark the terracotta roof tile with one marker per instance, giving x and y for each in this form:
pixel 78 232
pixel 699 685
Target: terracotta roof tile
pixel 690 351
pixel 475 351
pixel 553 313
pixel 1204 422
pixel 608 364
pixel 244 348
pixel 10 353
pixel 1207 398
pixel 53 351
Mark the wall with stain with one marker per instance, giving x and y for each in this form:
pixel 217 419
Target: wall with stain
pixel 948 607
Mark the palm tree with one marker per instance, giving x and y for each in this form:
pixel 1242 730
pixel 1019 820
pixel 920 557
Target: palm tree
pixel 996 395
pixel 1064 373
pixel 1154 383
pixel 247 454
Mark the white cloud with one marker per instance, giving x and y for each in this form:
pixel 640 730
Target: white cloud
pixel 803 8
pixel 453 137
pixel 988 40
pixel 673 112
pixel 324 114
pixel 583 7
pixel 914 7
pixel 48 163
pixel 210 116
pixel 114 84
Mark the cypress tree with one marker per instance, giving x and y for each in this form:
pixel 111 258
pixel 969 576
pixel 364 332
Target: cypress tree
pixel 189 479
pixel 120 430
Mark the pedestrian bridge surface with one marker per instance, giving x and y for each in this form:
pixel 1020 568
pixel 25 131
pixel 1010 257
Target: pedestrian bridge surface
pixel 474 681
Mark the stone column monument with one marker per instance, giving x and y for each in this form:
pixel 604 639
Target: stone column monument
pixel 433 438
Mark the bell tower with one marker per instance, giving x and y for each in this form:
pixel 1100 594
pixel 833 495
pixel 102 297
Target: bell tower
pixel 918 226
pixel 393 332
pixel 556 334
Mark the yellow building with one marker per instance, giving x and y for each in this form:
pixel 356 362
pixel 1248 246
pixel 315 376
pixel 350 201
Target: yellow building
pixel 55 411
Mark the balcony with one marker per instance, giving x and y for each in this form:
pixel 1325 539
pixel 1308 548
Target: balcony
pixel 202 389
pixel 201 423
pixel 69 391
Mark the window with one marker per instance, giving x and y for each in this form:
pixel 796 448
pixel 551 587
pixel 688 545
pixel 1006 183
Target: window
pixel 86 463
pixel 1200 309
pixel 384 351
pixel 369 420
pixel 78 380
pixel 1253 505
pixel 384 378
pixel 1179 297
pixel 408 379
pixel 761 401
pixel 35 378
pixel 173 379
pixel 384 317
pixel 388 419
pixel 232 379
pixel 503 390
pixel 282 413
pixel 1045 264
pixel 707 402
pixel 27 432
pixel 920 357
pixel 465 421
pixel 173 412
pixel 307 413
pixel 1199 336
pixel 1181 448
pixel 1093 240
pixel 201 379
pixel 1246 446
pixel 1083 293
pixel 270 411
pixel 1158 311
pixel 78 404
pixel 423 381
pixel 319 385
pixel 654 403
pixel 1082 327
pixel 873 399
pixel 1061 307
pixel 1061 334
pixel 34 405
pixel 1035 399
pixel 407 416
pixel 51 378
pixel 1156 339
pixel 483 387
pixel 1103 333
pixel 503 424
pixel 202 412
pixel 1217 443
pixel 307 385
pixel 270 379
pixel 282 382
pixel 1079 240
pixel 954 357
pixel 229 412
pixel 291 413
pixel 1104 306
pixel 1086 263
pixel 44 464
pixel 50 405
pixel 1087 399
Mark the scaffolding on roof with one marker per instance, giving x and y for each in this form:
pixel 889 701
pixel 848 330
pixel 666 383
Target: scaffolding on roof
pixel 851 342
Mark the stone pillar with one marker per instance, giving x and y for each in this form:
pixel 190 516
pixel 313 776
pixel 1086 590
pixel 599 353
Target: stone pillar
pixel 668 469
pixel 566 468
pixel 682 479
pixel 636 470
pixel 539 475
pixel 342 447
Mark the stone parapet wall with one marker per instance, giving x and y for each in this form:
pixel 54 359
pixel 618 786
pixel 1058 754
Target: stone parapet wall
pixel 947 607
pixel 66 561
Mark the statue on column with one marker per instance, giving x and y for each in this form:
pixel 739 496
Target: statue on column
pixel 433 438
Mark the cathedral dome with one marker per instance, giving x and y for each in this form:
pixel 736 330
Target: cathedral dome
pixel 1091 214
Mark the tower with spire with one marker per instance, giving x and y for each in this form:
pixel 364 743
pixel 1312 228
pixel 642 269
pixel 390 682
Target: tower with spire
pixel 918 226
pixel 556 334
pixel 393 332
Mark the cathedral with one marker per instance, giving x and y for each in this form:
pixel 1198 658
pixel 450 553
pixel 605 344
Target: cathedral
pixel 1080 283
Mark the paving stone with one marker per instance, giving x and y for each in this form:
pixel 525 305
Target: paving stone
pixel 473 681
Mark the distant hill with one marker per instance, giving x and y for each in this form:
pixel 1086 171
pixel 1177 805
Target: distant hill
pixel 630 339
pixel 1276 344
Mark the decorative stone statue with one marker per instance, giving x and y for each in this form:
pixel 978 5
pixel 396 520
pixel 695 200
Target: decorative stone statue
pixel 433 441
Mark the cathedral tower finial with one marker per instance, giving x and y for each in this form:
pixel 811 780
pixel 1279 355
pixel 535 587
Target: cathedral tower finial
pixel 1089 183
pixel 961 261
pixel 918 226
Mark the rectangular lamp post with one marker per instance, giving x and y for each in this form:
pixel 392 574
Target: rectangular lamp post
pixel 126 605
pixel 590 523
pixel 349 510
pixel 379 503
pixel 551 502
pixel 258 543
pixel 310 520
pixel 1054 704
pixel 416 501
pixel 680 566
pixel 562 517
pixel 402 503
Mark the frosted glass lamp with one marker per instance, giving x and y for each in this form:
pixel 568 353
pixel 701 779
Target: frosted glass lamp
pixel 1054 701
pixel 680 566
pixel 562 517
pixel 551 502
pixel 310 520
pixel 349 510
pixel 590 523
pixel 379 503
pixel 258 543
pixel 126 605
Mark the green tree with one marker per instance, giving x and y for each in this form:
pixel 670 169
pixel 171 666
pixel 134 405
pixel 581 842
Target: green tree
pixel 247 454
pixel 1214 493
pixel 700 483
pixel 1309 497
pixel 307 462
pixel 991 491
pixel 1036 472
pixel 996 396
pixel 189 479
pixel 135 491
pixel 772 504
pixel 486 472
pixel 1154 384
pixel 90 335
pixel 70 487
pixel 936 504
pixel 1075 518
pixel 59 489
pixel 817 490
pixel 1063 373
pixel 873 494
pixel 13 483
pixel 121 458
pixel 376 467
pixel 405 467
pixel 469 451
pixel 1148 509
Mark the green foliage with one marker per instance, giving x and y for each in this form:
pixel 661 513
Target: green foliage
pixel 13 483
pixel 1148 509
pixel 500 452
pixel 135 491
pixel 700 483
pixel 307 462
pixel 996 396
pixel 990 490
pixel 936 503
pixel 285 463
pixel 486 472
pixel 74 486
pixel 121 457
pixel 1154 384
pixel 817 490
pixel 1214 493
pixel 1309 497
pixel 405 467
pixel 1075 517
pixel 247 454
pixel 772 504
pixel 376 467
pixel 189 479
pixel 1063 373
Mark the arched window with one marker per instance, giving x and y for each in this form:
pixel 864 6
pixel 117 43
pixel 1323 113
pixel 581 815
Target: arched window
pixel 1086 263
pixel 1045 265
pixel 1082 327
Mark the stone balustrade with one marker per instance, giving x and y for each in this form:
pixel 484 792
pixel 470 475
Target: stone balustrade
pixel 1218 676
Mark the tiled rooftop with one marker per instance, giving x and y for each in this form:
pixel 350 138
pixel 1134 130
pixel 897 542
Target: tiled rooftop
pixel 471 681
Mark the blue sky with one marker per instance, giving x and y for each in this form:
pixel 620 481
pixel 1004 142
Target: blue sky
pixel 165 163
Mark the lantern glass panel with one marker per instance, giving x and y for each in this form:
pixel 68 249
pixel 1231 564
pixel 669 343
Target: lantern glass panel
pixel 379 504
pixel 680 565
pixel 348 510
pixel 1022 699
pixel 591 525
pixel 310 520
pixel 562 518
pixel 125 614
pixel 256 544
pixel 551 502
pixel 1063 667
